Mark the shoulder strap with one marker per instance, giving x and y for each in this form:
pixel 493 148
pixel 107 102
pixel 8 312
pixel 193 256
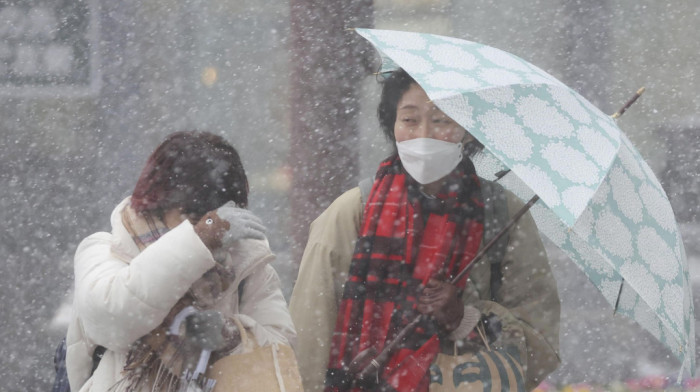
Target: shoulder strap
pixel 365 188
pixel 495 218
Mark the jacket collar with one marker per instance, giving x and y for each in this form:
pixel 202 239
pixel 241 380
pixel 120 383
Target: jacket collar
pixel 122 243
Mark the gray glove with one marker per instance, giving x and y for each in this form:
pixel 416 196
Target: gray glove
pixel 204 329
pixel 242 224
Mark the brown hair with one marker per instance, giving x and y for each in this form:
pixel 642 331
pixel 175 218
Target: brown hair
pixel 394 86
pixel 194 171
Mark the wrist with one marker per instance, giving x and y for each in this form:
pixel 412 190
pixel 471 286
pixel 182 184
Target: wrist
pixel 470 318
pixel 452 318
pixel 207 232
pixel 452 323
pixel 232 337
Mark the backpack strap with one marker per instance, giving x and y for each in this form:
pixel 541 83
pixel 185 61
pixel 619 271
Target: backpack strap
pixel 495 218
pixel 365 188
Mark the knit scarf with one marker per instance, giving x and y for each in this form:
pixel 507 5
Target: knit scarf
pixel 157 361
pixel 405 239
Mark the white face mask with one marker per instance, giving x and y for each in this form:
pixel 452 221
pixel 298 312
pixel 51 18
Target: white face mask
pixel 428 160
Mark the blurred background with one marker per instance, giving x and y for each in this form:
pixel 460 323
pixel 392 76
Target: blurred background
pixel 88 88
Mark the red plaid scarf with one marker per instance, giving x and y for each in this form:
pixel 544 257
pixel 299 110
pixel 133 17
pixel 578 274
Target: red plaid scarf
pixel 405 239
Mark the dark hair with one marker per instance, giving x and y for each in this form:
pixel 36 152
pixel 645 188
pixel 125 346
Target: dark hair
pixel 393 88
pixel 194 171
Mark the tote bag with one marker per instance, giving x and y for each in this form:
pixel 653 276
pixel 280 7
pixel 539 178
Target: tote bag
pixel 270 368
pixel 483 371
pixel 489 369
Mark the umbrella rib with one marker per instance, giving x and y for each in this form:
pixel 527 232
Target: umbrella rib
pixel 619 293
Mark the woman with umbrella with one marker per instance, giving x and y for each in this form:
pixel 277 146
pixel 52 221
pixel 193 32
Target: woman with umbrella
pixel 370 268
pixel 181 246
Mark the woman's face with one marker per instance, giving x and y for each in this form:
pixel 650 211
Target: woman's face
pixel 418 117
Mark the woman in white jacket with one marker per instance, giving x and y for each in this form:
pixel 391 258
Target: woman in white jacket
pixel 178 241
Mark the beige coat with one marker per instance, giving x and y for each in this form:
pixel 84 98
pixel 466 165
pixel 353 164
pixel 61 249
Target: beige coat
pixel 529 305
pixel 122 294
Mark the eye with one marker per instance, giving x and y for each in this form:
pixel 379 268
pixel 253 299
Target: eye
pixel 408 120
pixel 442 120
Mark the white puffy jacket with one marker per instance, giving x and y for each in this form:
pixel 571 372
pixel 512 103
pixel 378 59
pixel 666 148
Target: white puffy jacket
pixel 122 294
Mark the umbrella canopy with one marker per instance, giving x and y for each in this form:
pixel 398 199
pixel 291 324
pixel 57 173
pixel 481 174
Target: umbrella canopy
pixel 555 140
pixel 600 202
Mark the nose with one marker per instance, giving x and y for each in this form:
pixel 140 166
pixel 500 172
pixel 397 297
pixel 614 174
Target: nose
pixel 423 130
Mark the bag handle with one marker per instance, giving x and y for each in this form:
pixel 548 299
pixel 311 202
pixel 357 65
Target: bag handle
pixel 248 343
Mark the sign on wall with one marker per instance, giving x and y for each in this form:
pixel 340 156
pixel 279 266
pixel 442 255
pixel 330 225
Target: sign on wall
pixel 47 46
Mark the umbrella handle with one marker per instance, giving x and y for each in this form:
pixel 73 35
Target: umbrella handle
pixel 202 364
pixel 375 365
pixel 179 318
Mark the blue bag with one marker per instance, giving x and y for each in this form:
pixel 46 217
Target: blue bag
pixel 60 383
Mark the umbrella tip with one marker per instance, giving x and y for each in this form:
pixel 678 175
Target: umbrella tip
pixel 628 104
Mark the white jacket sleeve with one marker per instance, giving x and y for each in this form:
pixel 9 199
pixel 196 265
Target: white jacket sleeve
pixel 121 301
pixel 264 309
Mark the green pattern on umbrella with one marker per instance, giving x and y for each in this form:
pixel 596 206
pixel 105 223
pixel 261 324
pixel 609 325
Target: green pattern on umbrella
pixel 600 202
pixel 628 244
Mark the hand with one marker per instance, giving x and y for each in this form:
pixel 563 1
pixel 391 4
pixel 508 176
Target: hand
pixel 203 329
pixel 440 300
pixel 227 224
pixel 243 224
pixel 210 330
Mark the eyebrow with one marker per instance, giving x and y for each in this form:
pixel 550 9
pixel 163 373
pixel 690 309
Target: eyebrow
pixel 408 106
